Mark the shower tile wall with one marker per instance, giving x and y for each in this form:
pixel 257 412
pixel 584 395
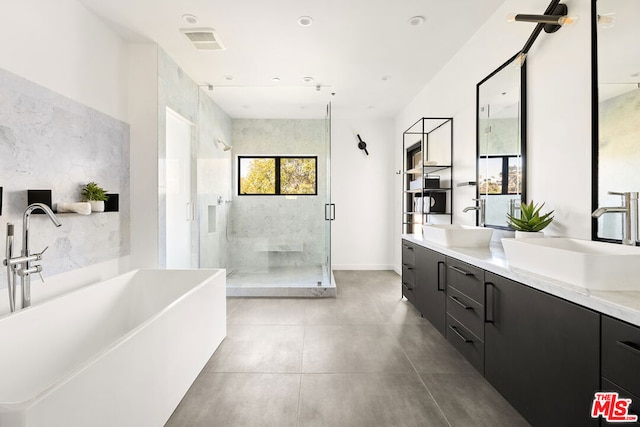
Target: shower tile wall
pixel 177 91
pixel 214 182
pixel 48 141
pixel 257 221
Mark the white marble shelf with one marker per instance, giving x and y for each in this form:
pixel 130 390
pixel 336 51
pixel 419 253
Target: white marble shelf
pixel 621 305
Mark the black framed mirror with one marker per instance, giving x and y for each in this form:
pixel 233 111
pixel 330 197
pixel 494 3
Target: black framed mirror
pixel 616 110
pixel 501 141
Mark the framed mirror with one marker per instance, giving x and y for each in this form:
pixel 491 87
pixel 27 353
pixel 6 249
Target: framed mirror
pixel 616 109
pixel 501 136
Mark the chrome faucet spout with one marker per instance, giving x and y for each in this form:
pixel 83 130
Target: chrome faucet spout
pixel 481 208
pixel 601 211
pixel 629 210
pixel 46 209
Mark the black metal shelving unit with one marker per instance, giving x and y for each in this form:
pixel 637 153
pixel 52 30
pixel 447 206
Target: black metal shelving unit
pixel 427 157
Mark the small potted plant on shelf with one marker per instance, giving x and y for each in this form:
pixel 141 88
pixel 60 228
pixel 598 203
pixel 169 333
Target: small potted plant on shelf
pixel 531 222
pixel 95 195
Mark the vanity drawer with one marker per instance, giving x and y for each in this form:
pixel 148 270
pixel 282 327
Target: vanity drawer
pixel 408 254
pixel 408 275
pixel 469 345
pixel 466 278
pixel 634 408
pixel 466 310
pixel 621 354
pixel 407 291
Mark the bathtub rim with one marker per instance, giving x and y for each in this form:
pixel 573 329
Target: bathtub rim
pixel 8 407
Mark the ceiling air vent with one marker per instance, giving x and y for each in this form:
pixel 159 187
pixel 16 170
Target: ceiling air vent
pixel 203 38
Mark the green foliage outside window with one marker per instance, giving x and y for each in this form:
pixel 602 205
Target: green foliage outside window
pixel 298 176
pixel 261 177
pixel 278 175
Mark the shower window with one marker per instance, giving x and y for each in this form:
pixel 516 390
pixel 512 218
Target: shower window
pixel 277 175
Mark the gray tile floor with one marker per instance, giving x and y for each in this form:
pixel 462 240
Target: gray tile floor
pixel 365 358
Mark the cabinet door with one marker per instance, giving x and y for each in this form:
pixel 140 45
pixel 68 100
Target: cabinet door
pixel 430 286
pixel 541 353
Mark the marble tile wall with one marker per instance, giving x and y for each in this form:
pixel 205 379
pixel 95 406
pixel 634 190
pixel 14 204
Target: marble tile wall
pixel 48 141
pixel 260 221
pixel 214 182
pixel 177 91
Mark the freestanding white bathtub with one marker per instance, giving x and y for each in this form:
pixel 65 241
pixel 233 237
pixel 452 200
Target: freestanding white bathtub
pixel 118 353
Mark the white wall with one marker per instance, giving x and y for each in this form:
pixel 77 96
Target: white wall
pixel 558 112
pixel 143 78
pixel 362 187
pixel 64 47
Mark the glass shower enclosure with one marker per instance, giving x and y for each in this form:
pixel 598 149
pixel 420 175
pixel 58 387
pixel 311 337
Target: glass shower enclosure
pixel 280 218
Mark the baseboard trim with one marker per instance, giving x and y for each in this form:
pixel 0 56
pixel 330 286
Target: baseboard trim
pixel 362 267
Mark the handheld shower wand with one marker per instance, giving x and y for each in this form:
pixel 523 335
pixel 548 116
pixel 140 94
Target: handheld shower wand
pixel 11 275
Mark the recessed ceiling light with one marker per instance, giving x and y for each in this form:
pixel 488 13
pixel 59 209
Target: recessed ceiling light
pixel 416 21
pixel 190 19
pixel 307 79
pixel 386 78
pixel 371 107
pixel 305 21
pixel 276 79
pixel 228 78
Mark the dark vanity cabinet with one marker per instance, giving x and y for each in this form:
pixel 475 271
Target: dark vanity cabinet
pixel 621 361
pixel 465 310
pixel 542 353
pixel 423 282
pixel 409 270
pixel 431 286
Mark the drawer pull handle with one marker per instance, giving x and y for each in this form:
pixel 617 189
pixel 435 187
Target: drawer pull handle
pixel 460 303
pixel 407 267
pixel 440 277
pixel 455 330
pixel 630 346
pixel 461 271
pixel 489 302
pixel 407 247
pixel 406 285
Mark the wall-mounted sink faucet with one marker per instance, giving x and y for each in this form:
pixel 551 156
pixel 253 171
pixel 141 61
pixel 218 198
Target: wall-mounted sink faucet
pixel 481 208
pixel 629 210
pixel 23 265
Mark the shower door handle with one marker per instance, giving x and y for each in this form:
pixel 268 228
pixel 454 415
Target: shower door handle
pixel 191 211
pixel 329 211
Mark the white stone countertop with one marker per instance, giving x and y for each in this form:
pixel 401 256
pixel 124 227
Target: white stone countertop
pixel 620 305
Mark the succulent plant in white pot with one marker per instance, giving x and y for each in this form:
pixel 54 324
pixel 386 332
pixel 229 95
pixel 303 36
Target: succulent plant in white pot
pixel 531 222
pixel 95 195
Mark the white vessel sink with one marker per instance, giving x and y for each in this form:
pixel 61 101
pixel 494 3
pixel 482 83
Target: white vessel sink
pixel 465 236
pixel 591 265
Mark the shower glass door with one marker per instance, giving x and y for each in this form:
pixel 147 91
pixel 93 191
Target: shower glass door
pixel 329 206
pixel 280 226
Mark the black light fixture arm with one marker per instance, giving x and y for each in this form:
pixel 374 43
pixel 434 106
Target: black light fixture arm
pixel 550 21
pixel 362 145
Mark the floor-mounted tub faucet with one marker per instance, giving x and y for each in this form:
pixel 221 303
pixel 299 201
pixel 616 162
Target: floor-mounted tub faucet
pixel 481 208
pixel 23 265
pixel 629 210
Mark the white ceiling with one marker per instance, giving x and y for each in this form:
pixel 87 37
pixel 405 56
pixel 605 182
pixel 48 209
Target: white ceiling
pixel 349 48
